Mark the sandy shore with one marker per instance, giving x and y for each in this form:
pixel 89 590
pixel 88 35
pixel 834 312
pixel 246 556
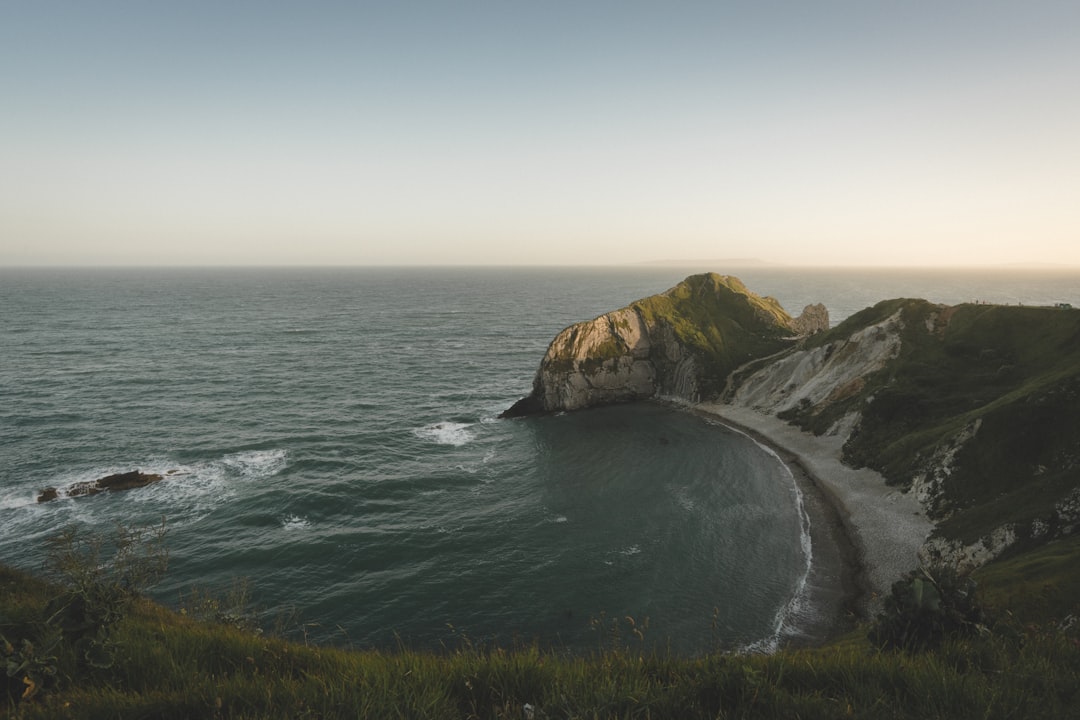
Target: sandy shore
pixel 864 534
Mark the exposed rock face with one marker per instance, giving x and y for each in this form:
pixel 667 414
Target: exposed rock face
pixel 598 362
pixel 814 319
pixel 681 344
pixel 972 409
pixel 119 481
pixel 819 376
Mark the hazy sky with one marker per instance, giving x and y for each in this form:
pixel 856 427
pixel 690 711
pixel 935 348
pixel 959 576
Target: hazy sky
pixel 858 132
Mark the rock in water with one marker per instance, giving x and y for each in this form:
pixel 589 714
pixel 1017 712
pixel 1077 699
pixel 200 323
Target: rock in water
pixel 682 343
pixel 119 481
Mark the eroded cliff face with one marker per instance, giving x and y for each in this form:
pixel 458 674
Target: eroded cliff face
pixel 815 378
pixel 679 344
pixel 602 361
pixel 974 410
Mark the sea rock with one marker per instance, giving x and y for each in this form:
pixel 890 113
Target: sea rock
pixel 680 344
pixel 814 319
pixel 118 481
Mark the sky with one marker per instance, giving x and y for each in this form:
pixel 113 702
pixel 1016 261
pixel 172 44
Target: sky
pixel 863 132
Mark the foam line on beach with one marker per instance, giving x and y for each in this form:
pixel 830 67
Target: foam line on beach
pixel 886 525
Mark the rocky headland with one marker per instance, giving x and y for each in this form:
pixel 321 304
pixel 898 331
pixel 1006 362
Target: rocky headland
pixel 680 344
pixel 942 434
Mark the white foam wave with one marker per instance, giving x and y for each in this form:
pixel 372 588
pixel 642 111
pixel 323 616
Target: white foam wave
pixel 185 494
pixel 294 522
pixel 783 621
pixel 256 463
pixel 17 500
pixel 446 433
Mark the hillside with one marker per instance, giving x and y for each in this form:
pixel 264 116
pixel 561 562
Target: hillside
pixel 974 408
pixel 681 343
pixel 171 665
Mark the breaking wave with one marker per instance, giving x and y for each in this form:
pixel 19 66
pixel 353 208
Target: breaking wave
pixel 446 433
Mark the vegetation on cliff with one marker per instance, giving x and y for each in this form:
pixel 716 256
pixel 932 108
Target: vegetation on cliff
pixel 721 322
pixel 682 343
pixel 981 408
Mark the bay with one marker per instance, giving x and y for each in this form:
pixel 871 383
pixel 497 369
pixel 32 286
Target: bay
pixel 334 439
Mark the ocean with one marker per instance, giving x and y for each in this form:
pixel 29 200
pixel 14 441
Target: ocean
pixel 331 436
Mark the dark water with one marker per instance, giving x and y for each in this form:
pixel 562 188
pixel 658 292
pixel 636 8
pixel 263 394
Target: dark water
pixel 334 439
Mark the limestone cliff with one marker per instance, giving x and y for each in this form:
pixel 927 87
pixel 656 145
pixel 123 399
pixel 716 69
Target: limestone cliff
pixel 682 343
pixel 974 409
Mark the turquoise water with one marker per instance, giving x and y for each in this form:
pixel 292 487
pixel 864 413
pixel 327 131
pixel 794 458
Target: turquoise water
pixel 334 439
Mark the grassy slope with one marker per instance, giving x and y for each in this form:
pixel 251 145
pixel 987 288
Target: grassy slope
pixel 721 322
pixel 173 667
pixel 1017 369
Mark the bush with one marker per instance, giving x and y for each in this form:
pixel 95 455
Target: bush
pixel 925 607
pixel 98 577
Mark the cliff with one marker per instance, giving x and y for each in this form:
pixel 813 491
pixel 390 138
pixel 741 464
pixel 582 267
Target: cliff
pixel 682 343
pixel 974 408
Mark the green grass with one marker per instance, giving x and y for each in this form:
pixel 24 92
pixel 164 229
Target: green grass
pixel 1040 586
pixel 174 667
pixel 1014 369
pixel 720 322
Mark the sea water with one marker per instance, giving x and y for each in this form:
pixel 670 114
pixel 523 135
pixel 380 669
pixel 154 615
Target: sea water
pixel 331 436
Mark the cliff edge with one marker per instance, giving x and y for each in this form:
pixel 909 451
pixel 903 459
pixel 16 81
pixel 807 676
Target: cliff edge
pixel 974 410
pixel 682 343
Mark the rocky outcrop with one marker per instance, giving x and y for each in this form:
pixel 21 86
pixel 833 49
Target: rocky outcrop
pixel 814 378
pixel 118 481
pixel 814 319
pixel 680 344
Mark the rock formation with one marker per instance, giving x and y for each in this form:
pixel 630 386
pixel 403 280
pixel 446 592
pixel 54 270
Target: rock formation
pixel 681 343
pixel 974 409
pixel 118 481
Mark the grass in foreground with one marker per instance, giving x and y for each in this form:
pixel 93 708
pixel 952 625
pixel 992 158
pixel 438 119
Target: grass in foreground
pixel 171 666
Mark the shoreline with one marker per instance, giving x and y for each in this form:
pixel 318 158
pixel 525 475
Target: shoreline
pixel 864 534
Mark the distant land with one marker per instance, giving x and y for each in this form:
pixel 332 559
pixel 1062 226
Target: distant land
pixel 711 262
pixel 759 263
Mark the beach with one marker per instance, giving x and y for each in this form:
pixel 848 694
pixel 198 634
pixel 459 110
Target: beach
pixel 865 534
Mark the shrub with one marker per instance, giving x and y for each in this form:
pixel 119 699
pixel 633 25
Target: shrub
pixel 926 606
pixel 98 578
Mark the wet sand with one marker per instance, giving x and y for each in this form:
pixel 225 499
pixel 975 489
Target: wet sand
pixel 864 534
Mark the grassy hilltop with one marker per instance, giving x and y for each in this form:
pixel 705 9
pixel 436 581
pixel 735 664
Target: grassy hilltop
pixel 721 322
pixel 168 665
pixel 680 343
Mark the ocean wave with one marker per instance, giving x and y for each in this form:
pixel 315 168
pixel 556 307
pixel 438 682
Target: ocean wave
pixel 18 499
pixel 785 622
pixel 256 463
pixel 446 433
pixel 294 522
pixel 186 492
